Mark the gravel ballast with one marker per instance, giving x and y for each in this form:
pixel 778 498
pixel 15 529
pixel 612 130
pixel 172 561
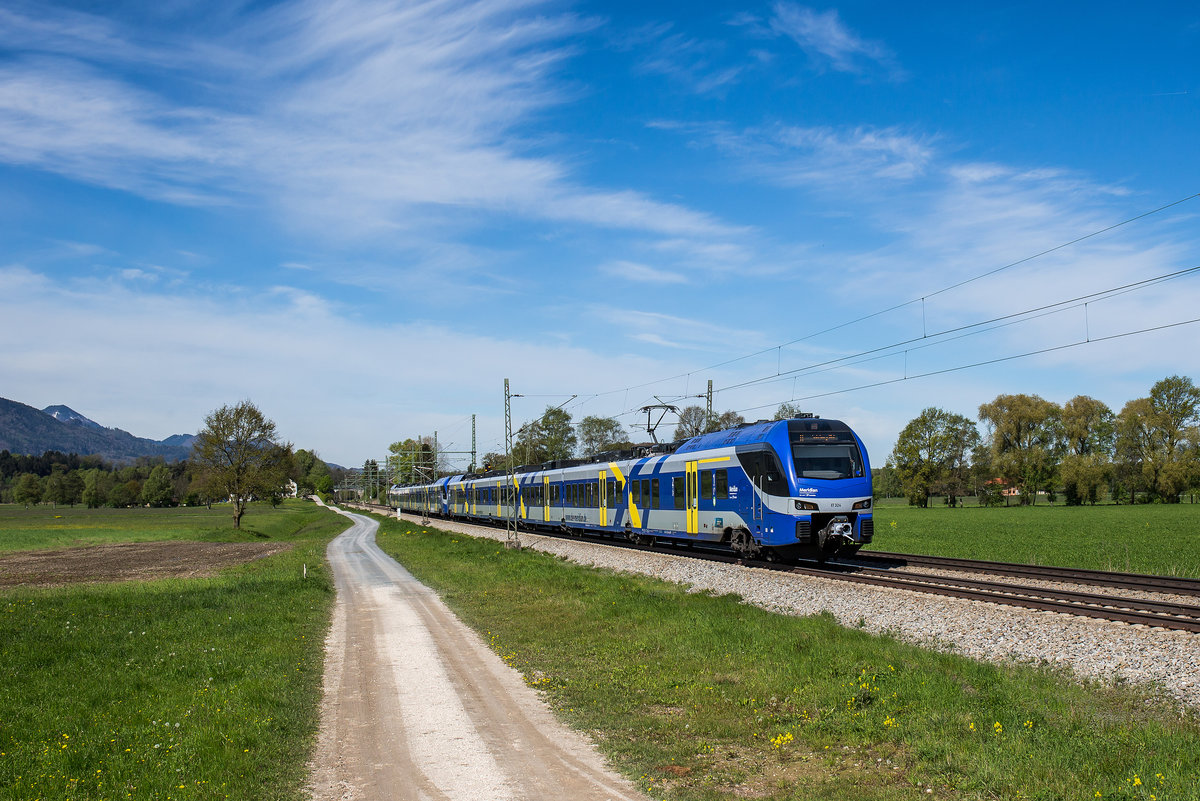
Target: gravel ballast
pixel 1108 651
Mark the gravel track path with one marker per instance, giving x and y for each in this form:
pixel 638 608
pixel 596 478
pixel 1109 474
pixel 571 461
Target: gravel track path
pixel 416 706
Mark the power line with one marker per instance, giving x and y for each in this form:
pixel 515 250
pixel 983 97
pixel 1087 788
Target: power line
pixel 889 309
pixel 1091 296
pixel 1089 341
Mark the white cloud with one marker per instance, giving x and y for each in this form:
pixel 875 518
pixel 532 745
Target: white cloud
pixel 827 40
pixel 155 362
pixel 696 64
pixel 347 118
pixel 641 273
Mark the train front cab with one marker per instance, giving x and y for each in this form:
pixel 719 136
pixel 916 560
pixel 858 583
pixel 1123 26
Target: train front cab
pixel 830 487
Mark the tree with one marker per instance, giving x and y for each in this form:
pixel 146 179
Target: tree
pixel 73 487
pixel 412 461
pixel 54 488
pixel 693 421
pixel 28 489
pixel 545 439
pixel 158 490
pixel 93 494
pixel 931 455
pixel 1026 440
pixel 599 434
pixel 370 479
pixel 124 493
pixel 494 461
pixel 241 456
pixel 786 411
pixel 1089 431
pixel 726 420
pixel 1154 439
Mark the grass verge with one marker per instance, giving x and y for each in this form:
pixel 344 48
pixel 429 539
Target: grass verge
pixel 1162 539
pixel 197 688
pixel 702 697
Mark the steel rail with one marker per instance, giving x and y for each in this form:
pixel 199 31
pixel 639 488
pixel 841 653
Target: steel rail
pixel 1103 578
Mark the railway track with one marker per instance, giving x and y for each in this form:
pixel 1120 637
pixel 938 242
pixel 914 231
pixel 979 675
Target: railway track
pixel 1164 614
pixel 1102 578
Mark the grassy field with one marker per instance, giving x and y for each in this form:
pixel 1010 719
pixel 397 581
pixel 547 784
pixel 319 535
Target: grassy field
pixel 70 526
pixel 707 698
pixel 1153 538
pixel 198 688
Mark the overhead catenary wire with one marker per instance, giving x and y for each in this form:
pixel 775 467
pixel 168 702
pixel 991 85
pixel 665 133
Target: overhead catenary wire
pixel 924 296
pixel 982 363
pixel 1078 301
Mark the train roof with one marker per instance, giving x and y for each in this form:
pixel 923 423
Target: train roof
pixel 762 431
pixel 756 433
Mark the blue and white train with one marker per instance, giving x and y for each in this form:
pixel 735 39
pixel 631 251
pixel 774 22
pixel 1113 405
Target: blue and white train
pixel 786 489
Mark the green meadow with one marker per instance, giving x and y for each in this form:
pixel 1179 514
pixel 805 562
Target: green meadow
pixel 209 688
pixel 193 688
pixel 44 526
pixel 1149 538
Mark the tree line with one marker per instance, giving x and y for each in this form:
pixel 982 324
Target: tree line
pixel 1150 451
pixel 236 457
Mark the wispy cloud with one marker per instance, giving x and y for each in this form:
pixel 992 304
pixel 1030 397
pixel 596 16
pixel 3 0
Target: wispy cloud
pixel 671 331
pixel 828 41
pixel 641 273
pixel 817 156
pixel 702 66
pixel 357 116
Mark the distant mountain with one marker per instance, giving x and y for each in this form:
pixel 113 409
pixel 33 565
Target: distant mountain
pixel 24 429
pixel 65 414
pixel 180 441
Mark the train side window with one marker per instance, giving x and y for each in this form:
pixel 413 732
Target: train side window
pixel 655 497
pixel 763 470
pixel 612 493
pixel 680 487
pixel 721 484
pixel 706 485
pixel 636 489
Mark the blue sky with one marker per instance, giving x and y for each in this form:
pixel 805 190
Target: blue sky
pixel 363 216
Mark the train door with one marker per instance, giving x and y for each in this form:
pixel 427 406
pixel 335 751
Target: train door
pixel 602 498
pixel 692 499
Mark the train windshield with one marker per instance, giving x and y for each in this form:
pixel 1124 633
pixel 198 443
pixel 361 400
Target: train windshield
pixel 827 461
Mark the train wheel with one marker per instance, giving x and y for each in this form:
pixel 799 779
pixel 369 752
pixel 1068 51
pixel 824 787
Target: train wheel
pixel 744 545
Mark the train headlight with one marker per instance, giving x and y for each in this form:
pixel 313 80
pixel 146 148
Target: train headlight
pixel 807 506
pixel 863 504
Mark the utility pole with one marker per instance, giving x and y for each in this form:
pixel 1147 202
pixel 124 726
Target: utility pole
pixel 510 540
pixel 473 462
pixel 708 414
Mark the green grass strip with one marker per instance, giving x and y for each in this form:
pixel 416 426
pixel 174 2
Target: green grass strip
pixel 1163 539
pixel 178 689
pixel 703 697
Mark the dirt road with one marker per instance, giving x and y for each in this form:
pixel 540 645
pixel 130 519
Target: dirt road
pixel 416 707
